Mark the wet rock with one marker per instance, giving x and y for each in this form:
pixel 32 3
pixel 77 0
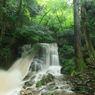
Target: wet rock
pixel 66 86
pixel 50 93
pixel 47 85
pixel 25 92
pixel 28 84
pixel 51 86
pixel 29 75
pixel 45 79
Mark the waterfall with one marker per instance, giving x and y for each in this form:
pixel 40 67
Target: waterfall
pixel 43 64
pixel 46 64
pixel 11 79
pixel 47 58
pixel 54 55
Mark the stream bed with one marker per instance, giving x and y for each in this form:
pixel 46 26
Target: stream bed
pixel 44 76
pixel 47 83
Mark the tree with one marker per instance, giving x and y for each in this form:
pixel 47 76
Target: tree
pixel 89 44
pixel 15 18
pixel 56 15
pixel 79 61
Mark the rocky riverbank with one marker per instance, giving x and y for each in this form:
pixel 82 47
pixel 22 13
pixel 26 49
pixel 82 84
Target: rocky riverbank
pixel 47 84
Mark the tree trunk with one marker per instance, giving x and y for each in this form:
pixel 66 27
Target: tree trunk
pixel 89 44
pixel 79 61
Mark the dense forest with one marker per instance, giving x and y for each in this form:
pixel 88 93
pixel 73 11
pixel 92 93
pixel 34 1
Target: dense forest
pixel 70 24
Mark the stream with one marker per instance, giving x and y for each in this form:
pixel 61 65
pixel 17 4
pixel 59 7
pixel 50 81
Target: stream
pixel 44 77
pixel 35 73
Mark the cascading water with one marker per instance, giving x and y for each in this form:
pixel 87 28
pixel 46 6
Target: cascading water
pixel 47 78
pixel 47 58
pixel 54 55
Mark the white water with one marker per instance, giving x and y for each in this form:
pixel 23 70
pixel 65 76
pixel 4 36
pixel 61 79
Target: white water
pixel 46 61
pixel 47 56
pixel 11 80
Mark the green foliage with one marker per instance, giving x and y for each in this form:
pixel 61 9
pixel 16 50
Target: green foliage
pixel 32 21
pixel 84 82
pixel 67 36
pixel 37 33
pixel 67 66
pixel 5 53
pixel 67 49
pixel 36 47
pixel 93 74
pixel 90 18
pixel 56 15
pixel 45 79
pixel 31 18
pixel 38 84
